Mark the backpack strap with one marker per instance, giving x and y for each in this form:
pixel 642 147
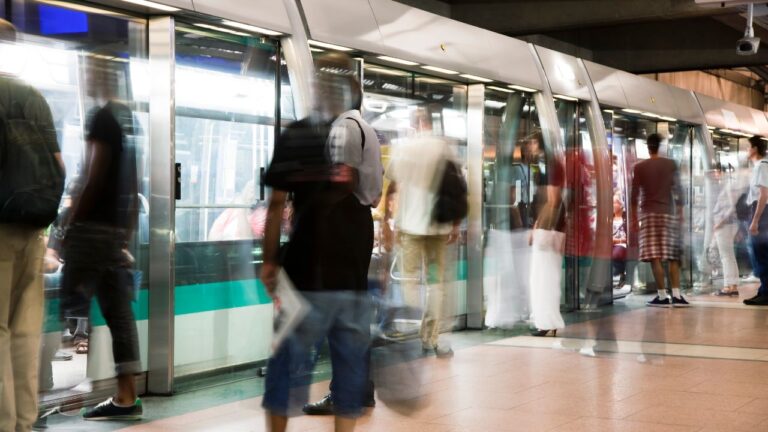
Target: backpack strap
pixel 362 132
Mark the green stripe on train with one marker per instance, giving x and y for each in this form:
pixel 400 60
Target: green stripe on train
pixel 195 298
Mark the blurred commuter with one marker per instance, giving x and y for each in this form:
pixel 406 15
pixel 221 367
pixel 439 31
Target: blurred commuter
pixel 547 239
pixel 416 168
pixel 619 252
pixel 31 184
pixel 725 229
pixel 353 142
pixel 757 198
pixel 102 221
pixel 334 181
pixel 656 187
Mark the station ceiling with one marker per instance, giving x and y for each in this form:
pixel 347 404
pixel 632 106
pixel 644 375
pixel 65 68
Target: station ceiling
pixel 639 36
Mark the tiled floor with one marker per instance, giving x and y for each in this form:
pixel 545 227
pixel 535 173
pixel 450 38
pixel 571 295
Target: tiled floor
pixel 701 369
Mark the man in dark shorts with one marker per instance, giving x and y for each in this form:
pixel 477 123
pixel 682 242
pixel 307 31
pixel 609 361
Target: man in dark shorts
pixel 96 258
pixel 656 185
pixel 326 257
pixel 757 198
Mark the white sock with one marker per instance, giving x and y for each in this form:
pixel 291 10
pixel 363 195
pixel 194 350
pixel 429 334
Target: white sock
pixel 114 402
pixel 662 294
pixel 676 292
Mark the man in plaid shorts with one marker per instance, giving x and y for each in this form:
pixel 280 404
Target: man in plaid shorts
pixel 656 185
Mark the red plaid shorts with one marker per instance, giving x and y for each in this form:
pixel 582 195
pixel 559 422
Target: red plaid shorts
pixel 659 237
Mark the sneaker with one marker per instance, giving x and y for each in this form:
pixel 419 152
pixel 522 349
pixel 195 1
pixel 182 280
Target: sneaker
pixel 757 301
pixel 439 352
pixel 107 410
pixel 657 302
pixel 680 302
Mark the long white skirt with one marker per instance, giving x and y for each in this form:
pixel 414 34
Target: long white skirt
pixel 545 278
pixel 508 258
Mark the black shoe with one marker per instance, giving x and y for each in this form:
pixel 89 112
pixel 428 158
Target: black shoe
pixel 757 301
pixel 107 410
pixel 657 302
pixel 544 333
pixel 680 302
pixel 370 402
pixel 62 356
pixel 322 407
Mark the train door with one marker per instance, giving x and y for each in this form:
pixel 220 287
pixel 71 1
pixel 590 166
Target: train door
pixel 227 108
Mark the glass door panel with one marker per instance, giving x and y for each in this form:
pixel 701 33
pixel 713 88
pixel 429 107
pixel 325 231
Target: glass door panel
pixel 226 100
pixel 78 61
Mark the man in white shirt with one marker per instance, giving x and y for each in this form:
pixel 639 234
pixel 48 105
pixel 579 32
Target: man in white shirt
pixel 416 167
pixel 757 198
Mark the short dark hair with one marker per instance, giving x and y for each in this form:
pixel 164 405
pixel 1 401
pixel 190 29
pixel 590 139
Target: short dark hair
pixel 654 142
pixel 759 144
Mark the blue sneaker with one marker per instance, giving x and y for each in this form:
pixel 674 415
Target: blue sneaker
pixel 680 302
pixel 657 302
pixel 107 410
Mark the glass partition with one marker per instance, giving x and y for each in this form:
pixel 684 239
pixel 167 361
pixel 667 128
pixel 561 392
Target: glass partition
pixel 80 61
pixel 226 102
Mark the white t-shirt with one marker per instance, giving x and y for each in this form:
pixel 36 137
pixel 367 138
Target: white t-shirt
pixel 346 147
pixel 759 178
pixel 416 166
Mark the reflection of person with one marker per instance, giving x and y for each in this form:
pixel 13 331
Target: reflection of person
pixel 328 252
pixel 21 265
pixel 757 198
pixel 96 258
pixel 619 252
pixel 414 168
pixel 725 229
pixel 546 239
pixel 656 187
pixel 234 223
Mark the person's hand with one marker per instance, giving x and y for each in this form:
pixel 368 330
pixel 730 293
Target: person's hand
pixel 753 227
pixel 454 235
pixel 530 238
pixel 717 226
pixel 269 277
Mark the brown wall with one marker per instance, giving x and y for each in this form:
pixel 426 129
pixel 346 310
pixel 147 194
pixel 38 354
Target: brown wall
pixel 716 86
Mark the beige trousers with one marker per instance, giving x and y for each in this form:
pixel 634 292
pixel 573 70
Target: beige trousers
pixel 21 320
pixel 419 251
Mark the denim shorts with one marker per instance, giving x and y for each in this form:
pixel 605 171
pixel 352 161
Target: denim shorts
pixel 343 317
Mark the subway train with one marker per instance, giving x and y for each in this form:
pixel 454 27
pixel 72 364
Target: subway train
pixel 210 84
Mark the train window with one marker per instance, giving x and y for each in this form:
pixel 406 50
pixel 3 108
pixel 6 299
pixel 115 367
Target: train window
pixel 224 131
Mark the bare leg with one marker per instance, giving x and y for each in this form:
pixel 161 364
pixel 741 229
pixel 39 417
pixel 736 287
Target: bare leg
pixel 674 274
pixel 345 424
pixel 126 389
pixel 658 274
pixel 276 423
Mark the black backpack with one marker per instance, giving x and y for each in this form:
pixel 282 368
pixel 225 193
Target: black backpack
pixel 451 204
pixel 31 179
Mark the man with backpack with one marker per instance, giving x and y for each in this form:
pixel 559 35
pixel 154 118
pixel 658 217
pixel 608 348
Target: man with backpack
pixel 31 184
pixel 431 204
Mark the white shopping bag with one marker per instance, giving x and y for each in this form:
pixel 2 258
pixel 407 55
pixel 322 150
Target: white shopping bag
pixel 290 309
pixel 545 279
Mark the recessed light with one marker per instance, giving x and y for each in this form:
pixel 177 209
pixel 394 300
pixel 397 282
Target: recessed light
pixel 153 5
pixel 397 60
pixel 329 46
pixel 501 89
pixel 251 28
pixel 475 78
pixel 523 89
pixel 440 70
pixel 632 111
pixel 221 29
pixel 563 97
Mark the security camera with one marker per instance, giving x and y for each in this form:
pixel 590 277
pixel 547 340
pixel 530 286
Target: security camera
pixel 748 46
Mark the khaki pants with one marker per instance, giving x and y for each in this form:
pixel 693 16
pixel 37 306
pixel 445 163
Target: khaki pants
pixel 21 320
pixel 418 251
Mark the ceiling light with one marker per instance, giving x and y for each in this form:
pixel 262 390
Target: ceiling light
pixel 501 89
pixel 251 28
pixel 650 114
pixel 77 7
pixel 632 111
pixel 397 60
pixel 221 29
pixel 475 78
pixel 329 46
pixel 495 104
pixel 440 70
pixel 153 5
pixel 568 98
pixel 385 71
pixel 608 111
pixel 316 49
pixel 523 89
pixel 669 119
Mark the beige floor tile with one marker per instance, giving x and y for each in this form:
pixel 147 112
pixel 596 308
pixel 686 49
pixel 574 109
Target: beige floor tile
pixel 689 400
pixel 733 388
pixel 691 416
pixel 757 406
pixel 504 420
pixel 586 424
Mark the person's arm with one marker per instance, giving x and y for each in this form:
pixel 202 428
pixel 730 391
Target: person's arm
pixel 97 166
pixel 762 200
pixel 633 199
pixel 271 242
pixel 677 190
